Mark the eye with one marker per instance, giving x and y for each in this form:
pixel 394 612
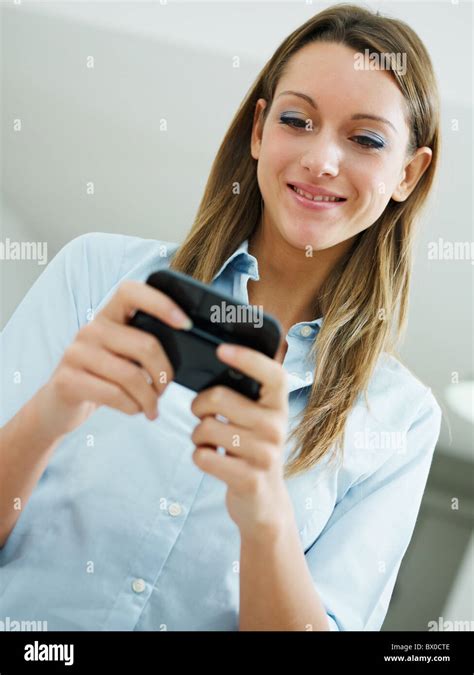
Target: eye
pixel 368 142
pixel 364 141
pixel 294 122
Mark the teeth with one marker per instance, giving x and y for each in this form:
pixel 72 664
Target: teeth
pixel 318 198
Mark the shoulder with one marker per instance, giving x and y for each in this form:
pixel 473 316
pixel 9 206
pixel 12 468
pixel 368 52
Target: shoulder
pixel 105 258
pixel 402 396
pixel 395 429
pixel 122 251
pixel 97 262
pixel 94 263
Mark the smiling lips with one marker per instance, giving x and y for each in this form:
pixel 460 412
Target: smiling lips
pixel 310 190
pixel 318 202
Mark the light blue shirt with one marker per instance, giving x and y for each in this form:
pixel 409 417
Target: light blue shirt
pixel 124 532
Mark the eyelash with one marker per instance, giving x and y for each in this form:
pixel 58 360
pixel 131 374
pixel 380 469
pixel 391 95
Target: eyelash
pixel 372 145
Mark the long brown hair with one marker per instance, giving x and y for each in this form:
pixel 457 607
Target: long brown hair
pixel 361 296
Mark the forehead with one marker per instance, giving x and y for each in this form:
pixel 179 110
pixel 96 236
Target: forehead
pixel 326 72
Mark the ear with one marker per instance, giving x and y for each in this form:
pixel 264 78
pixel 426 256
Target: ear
pixel 412 173
pixel 257 128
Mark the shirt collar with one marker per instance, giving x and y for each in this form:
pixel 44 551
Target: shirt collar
pixel 241 260
pixel 246 263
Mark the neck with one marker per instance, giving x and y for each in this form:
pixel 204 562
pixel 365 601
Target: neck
pixel 290 281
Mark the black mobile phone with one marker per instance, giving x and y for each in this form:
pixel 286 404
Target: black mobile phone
pixel 217 318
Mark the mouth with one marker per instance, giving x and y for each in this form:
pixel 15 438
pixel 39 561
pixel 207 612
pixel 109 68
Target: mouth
pixel 318 203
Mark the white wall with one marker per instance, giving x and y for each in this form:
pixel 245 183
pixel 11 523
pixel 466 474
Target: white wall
pixel 175 61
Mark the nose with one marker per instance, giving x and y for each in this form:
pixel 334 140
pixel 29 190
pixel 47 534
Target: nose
pixel 321 156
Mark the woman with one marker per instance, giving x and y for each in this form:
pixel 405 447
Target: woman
pixel 135 522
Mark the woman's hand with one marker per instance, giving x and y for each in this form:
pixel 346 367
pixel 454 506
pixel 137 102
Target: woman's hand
pixel 111 363
pixel 254 440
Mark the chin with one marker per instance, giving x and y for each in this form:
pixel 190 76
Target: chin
pixel 301 238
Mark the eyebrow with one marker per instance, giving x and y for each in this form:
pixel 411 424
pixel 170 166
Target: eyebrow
pixel 357 116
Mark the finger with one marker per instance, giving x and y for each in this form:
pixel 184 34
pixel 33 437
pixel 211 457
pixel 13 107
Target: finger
pixel 136 345
pixel 131 378
pixel 239 442
pixel 231 470
pixel 132 295
pixel 102 392
pixel 222 400
pixel 260 367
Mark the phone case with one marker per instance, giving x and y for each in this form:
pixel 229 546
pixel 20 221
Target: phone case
pixel 192 353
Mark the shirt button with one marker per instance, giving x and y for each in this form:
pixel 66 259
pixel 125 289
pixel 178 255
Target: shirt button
pixel 174 509
pixel 305 331
pixel 138 585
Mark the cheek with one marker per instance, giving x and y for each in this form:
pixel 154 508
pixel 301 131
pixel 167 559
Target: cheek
pixel 277 157
pixel 384 174
pixel 371 185
pixel 274 165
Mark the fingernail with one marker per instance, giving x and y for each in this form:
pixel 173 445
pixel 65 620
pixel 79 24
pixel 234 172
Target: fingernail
pixel 226 350
pixel 184 321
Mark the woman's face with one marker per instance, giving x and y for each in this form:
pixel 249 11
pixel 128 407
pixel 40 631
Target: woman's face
pixel 364 160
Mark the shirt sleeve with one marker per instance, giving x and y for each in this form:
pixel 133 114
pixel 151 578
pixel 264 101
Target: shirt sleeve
pixel 47 319
pixel 355 561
